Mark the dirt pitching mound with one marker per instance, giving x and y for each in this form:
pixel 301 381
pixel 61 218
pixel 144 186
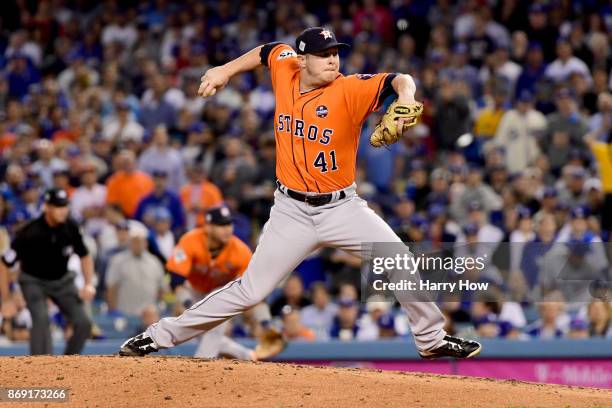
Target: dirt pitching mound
pixel 109 381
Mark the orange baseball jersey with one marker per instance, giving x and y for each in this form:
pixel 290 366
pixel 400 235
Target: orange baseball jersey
pixel 317 132
pixel 192 260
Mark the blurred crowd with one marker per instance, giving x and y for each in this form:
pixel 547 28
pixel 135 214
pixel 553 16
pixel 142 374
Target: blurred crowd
pixel 100 98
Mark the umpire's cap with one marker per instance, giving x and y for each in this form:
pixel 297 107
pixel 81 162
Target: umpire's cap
pixel 56 197
pixel 219 216
pixel 316 39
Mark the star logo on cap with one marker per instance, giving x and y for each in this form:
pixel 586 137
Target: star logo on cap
pixel 326 34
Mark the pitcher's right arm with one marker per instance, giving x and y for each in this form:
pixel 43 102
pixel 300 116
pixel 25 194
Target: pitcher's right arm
pixel 217 78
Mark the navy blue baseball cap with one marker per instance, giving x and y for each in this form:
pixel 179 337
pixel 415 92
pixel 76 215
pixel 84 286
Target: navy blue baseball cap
pixel 525 96
pixel 549 192
pixel 219 216
pixel 436 210
pixel 197 127
pixel 159 173
pixel 419 222
pixel 316 39
pixel 475 206
pixel 470 229
pixel 578 247
pixel 538 8
pixel 386 321
pixel 523 212
pixel 345 302
pixel 579 212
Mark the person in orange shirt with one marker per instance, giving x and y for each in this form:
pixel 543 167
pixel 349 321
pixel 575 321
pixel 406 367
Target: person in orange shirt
pixel 205 259
pixel 293 328
pixel 127 186
pixel 198 195
pixel 317 125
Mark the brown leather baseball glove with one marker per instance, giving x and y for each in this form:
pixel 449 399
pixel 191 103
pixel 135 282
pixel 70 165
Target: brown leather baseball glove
pixel 387 131
pixel 271 342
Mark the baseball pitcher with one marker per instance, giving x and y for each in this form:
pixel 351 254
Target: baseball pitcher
pixel 318 119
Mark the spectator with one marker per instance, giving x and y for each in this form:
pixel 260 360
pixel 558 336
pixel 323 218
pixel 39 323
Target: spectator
pixel 460 70
pixel 541 30
pixel 487 320
pixel 379 164
pixel 123 128
pixel 550 324
pixel 601 151
pixel 293 328
pixel 386 326
pixel 27 205
pixel 293 295
pixel 197 196
pixel 127 186
pixel 534 250
pixel 479 42
pixel 61 179
pixel 345 326
pixel 320 315
pixel 599 123
pixel 418 188
pixel 162 197
pixel 89 200
pixel 569 268
pixel 198 143
pixel 566 64
pixel 162 157
pixel 566 128
pixel 113 217
pixel 488 120
pixel 439 181
pixel 475 193
pixel 21 75
pixel 452 114
pixel 235 170
pixel 374 18
pixel 161 236
pixel 501 68
pixel 533 71
pixel 119 31
pixel 378 311
pixel 518 133
pixel 520 236
pixel 77 74
pixel 579 329
pixel 572 186
pixel 600 319
pixel 47 163
pixel 134 278
pixel 156 109
pixel 549 200
pixel 113 239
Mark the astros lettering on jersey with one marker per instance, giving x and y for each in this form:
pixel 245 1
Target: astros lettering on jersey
pixel 317 132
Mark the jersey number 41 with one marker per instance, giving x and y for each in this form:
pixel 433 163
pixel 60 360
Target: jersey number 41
pixel 322 164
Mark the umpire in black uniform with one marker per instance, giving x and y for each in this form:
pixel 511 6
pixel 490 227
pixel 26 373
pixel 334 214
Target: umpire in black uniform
pixel 43 247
